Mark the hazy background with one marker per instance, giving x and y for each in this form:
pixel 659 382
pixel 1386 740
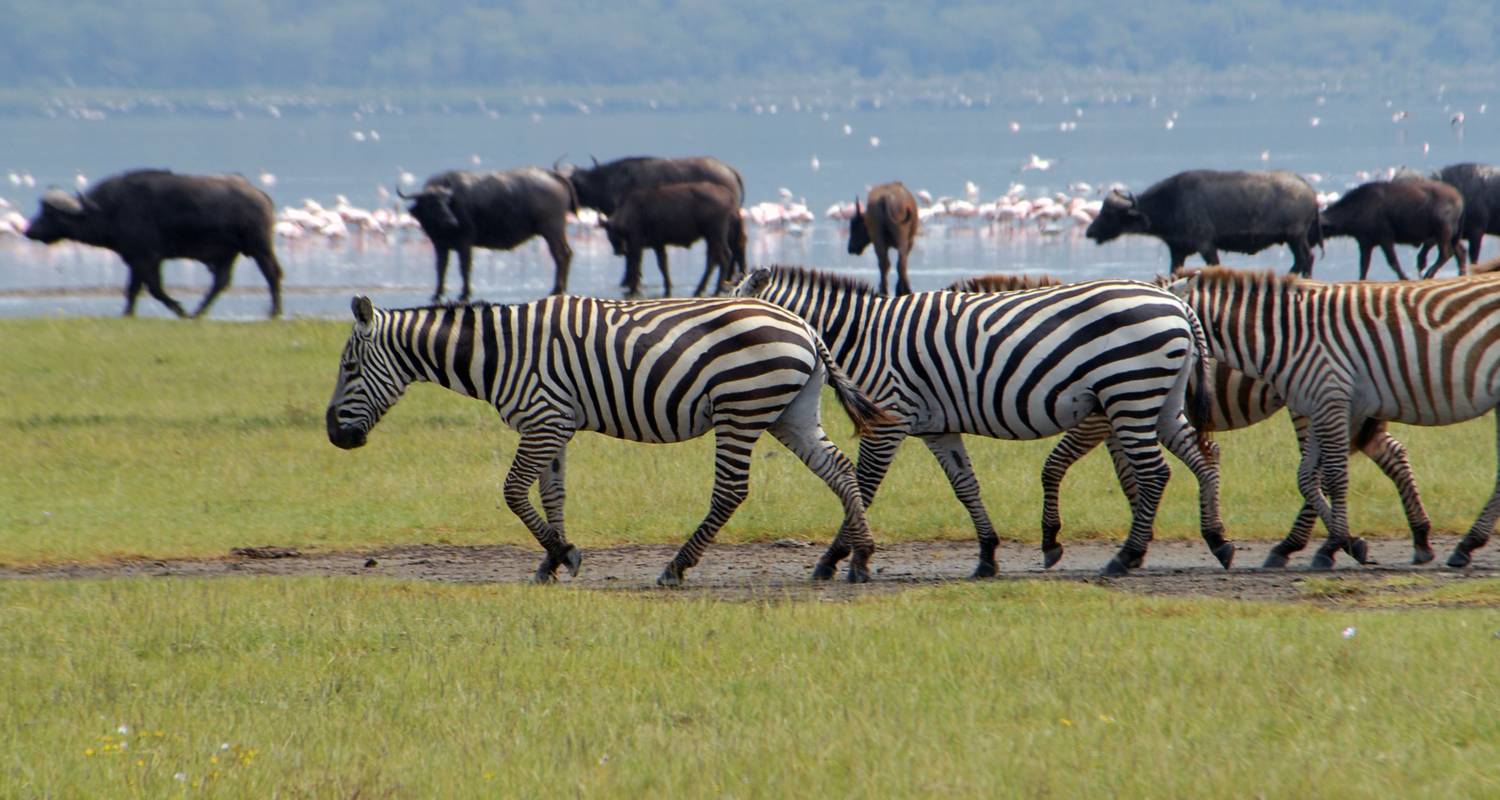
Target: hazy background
pixel 343 98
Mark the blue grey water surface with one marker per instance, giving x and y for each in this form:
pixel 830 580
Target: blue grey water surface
pixel 321 155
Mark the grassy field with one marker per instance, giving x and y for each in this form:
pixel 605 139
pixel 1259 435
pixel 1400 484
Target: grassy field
pixel 166 438
pixel 343 687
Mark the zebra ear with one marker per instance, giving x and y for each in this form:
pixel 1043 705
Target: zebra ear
pixel 364 310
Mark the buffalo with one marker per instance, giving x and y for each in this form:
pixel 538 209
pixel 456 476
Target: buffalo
pixel 678 214
pixel 604 186
pixel 1411 210
pixel 1204 211
pixel 889 219
pixel 496 210
pixel 149 215
pixel 1480 186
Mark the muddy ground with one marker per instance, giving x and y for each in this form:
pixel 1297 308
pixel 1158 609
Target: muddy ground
pixel 748 571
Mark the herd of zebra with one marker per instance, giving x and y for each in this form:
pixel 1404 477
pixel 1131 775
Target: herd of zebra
pixel 1129 364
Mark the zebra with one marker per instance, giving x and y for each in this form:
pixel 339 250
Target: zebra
pixel 1014 366
pixel 653 371
pixel 1420 353
pixel 1239 402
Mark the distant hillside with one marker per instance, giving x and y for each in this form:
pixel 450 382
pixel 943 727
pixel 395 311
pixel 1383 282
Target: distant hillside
pixel 438 43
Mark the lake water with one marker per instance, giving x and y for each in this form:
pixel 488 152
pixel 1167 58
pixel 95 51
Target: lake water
pixel 318 156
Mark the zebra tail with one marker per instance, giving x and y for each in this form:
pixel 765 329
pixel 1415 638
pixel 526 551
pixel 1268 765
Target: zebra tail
pixel 1200 397
pixel 861 409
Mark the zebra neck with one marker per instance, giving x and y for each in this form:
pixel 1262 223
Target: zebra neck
pixel 457 347
pixel 847 322
pixel 1259 333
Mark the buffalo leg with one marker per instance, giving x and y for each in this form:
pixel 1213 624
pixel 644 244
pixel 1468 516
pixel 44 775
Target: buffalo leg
pixel 1422 271
pixel 562 259
pixel 661 264
pixel 150 272
pixel 883 258
pixel 1179 257
pixel 221 270
pixel 1366 250
pixel 442 272
pixel 1475 235
pixel 132 290
pixel 903 286
pixel 718 253
pixel 632 282
pixel 270 267
pixel 1388 247
pixel 1210 256
pixel 1302 257
pixel 465 268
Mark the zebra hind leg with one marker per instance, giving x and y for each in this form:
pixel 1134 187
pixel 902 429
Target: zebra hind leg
pixel 733 445
pixel 1390 456
pixel 1141 448
pixel 1182 441
pixel 1075 444
pixel 823 457
pixel 948 449
pixel 1479 534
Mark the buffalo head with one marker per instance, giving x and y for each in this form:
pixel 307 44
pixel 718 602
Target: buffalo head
pixel 1121 213
pixel 61 216
pixel 859 235
pixel 432 208
pixel 591 185
pixel 615 230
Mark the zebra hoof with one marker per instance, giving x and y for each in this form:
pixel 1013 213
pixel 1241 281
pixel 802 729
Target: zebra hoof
pixel 985 569
pixel 1225 554
pixel 859 574
pixel 1322 562
pixel 1115 568
pixel 1360 549
pixel 1459 559
pixel 1052 555
pixel 1421 555
pixel 573 560
pixel 823 572
pixel 1275 560
pixel 670 577
pixel 546 573
pixel 1138 561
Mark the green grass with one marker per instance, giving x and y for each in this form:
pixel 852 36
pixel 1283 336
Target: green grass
pixel 169 438
pixel 344 687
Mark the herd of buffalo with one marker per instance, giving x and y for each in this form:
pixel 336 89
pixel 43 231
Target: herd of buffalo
pixel 147 216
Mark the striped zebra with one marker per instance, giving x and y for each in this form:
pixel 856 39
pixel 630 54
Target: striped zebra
pixel 1421 353
pixel 657 371
pixel 1014 366
pixel 1239 402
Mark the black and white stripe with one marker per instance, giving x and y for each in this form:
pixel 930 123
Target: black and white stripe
pixel 1239 402
pixel 657 371
pixel 1421 353
pixel 1022 365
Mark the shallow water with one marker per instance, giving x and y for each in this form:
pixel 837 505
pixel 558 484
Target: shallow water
pixel 318 157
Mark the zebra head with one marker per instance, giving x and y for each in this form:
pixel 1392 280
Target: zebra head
pixel 369 382
pixel 755 284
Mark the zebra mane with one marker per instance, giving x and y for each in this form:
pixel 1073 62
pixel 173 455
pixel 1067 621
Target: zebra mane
pixel 1210 277
pixel 451 305
pixel 1003 282
pixel 822 279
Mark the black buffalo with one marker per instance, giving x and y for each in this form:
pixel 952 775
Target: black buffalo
pixel 496 210
pixel 889 219
pixel 150 215
pixel 1480 186
pixel 678 214
pixel 1204 211
pixel 1411 210
pixel 603 186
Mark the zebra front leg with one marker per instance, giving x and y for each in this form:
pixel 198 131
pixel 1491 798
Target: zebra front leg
pixel 826 461
pixel 1203 459
pixel 541 449
pixel 1479 534
pixel 876 450
pixel 1075 444
pixel 948 449
pixel 1308 515
pixel 733 444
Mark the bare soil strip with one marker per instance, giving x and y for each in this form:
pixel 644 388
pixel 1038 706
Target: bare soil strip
pixel 755 571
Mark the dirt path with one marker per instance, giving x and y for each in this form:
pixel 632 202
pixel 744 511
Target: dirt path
pixel 758 570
